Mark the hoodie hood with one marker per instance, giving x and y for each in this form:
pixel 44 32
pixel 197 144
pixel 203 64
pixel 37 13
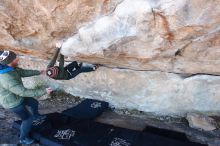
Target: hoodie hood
pixel 5 69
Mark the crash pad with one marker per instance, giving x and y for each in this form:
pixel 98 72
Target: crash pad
pixel 84 133
pixel 53 120
pixel 149 139
pixel 87 109
pixel 95 135
pixel 76 127
pixel 121 137
pixel 166 133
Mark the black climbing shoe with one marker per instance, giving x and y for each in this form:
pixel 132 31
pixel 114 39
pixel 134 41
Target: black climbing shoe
pixel 96 66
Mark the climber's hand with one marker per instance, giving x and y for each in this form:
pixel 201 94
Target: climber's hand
pixel 59 44
pixel 49 90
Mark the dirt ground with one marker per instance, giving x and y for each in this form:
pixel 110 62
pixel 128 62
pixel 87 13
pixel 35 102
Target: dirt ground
pixel 122 118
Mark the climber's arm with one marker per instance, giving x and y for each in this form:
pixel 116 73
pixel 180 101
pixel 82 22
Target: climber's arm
pixel 27 72
pixel 61 61
pixel 53 61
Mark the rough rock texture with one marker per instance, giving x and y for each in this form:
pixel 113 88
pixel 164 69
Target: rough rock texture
pixel 165 35
pixel 149 91
pixel 202 122
pixel 32 26
pixel 152 46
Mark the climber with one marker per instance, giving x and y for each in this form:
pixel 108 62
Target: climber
pixel 70 71
pixel 15 97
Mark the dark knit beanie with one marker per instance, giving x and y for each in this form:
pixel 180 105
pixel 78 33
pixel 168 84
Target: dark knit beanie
pixel 6 57
pixel 53 71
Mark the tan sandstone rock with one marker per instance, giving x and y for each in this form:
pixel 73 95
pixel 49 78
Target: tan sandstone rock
pixel 202 122
pixel 32 27
pixel 152 40
pixel 165 35
pixel 155 92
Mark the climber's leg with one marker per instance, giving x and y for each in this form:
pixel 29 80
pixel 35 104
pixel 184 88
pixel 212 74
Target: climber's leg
pixel 82 68
pixel 88 67
pixel 32 103
pixel 72 66
pixel 22 112
pixel 73 69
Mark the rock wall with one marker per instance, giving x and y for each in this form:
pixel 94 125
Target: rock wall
pixel 32 27
pixel 159 56
pixel 165 35
pixel 149 91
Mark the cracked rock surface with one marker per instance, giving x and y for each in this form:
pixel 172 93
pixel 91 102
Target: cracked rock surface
pixel 158 56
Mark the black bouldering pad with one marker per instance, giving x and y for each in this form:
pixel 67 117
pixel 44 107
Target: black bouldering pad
pixel 53 120
pixel 59 119
pixel 62 130
pixel 121 137
pixel 89 133
pixel 166 133
pixel 37 126
pixel 95 135
pixel 149 139
pixel 62 136
pixel 178 136
pixel 87 109
pixel 68 135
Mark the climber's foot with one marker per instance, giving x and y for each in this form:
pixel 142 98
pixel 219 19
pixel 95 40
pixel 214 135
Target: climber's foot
pixel 96 66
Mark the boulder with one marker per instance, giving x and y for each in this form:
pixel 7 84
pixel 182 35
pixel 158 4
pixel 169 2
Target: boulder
pixel 162 35
pixel 159 56
pixel 149 91
pixel 201 121
pixel 32 27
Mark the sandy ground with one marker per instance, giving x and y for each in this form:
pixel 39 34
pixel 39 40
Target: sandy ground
pixel 122 118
